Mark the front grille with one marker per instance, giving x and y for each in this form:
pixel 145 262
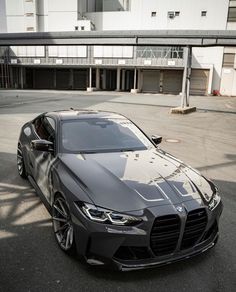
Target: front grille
pixel 165 234
pixel 194 227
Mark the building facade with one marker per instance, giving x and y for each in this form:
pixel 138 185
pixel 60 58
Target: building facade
pixel 145 68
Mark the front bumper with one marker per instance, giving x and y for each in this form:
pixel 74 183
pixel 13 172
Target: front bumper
pixel 129 248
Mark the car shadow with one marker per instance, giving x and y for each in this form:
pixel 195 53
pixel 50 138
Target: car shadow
pixel 30 256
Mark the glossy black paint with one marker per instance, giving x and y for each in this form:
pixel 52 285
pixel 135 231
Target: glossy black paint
pixel 146 184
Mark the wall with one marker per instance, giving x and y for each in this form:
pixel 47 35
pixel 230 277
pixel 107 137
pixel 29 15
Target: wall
pixel 16 15
pixel 206 58
pixel 55 15
pixel 3 20
pixel 139 17
pixel 62 15
pixel 228 76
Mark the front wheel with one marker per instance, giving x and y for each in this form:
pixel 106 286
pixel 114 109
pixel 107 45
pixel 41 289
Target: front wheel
pixel 62 225
pixel 20 162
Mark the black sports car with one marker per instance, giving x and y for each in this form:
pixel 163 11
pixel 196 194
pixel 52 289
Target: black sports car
pixel 115 198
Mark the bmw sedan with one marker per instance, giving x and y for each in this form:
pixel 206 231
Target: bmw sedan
pixel 115 197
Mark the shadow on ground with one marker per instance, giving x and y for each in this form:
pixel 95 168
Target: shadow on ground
pixel 32 261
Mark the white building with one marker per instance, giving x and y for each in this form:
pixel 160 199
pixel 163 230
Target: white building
pixel 213 68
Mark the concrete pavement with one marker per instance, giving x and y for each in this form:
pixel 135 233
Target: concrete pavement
pixel 29 257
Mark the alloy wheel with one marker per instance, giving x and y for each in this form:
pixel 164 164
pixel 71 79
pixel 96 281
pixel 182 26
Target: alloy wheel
pixel 20 162
pixel 62 224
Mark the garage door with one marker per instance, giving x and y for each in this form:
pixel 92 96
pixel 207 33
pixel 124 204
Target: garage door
pixel 172 81
pixel 199 81
pixel 43 78
pixel 63 79
pixel 151 81
pixel 80 79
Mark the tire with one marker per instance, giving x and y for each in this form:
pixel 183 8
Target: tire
pixel 20 163
pixel 62 225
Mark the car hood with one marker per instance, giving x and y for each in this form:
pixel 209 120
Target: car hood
pixel 125 181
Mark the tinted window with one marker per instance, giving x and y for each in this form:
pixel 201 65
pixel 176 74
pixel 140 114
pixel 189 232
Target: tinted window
pixel 102 135
pixel 45 128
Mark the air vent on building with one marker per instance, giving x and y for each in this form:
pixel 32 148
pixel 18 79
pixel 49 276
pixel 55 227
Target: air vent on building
pixel 30 28
pixel 171 14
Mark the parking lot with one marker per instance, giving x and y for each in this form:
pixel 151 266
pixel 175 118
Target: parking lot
pixel 29 257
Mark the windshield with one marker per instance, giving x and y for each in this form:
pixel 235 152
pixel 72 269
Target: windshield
pixel 101 135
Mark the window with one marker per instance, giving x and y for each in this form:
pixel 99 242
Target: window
pixel 45 128
pixel 67 51
pixel 149 52
pixel 177 13
pixel 113 51
pixel 109 5
pixel 203 13
pixel 29 14
pixel 28 51
pixel 76 27
pixel 228 60
pixel 153 14
pixel 232 14
pixel 82 28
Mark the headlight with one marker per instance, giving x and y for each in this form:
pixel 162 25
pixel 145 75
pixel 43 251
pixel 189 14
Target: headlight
pixel 214 201
pixel 107 216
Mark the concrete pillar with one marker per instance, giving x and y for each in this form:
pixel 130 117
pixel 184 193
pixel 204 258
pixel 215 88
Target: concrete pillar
pixel 135 90
pixel 21 78
pixel 184 83
pixel 161 81
pixel 90 80
pixel 104 78
pixel 118 80
pixel 184 107
pixel 123 80
pixel 97 78
pixel 11 77
pixel 139 80
pixel 188 75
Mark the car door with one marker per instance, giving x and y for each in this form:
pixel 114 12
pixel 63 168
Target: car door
pixel 41 162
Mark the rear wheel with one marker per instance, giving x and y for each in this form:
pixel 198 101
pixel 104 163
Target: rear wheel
pixel 20 162
pixel 62 225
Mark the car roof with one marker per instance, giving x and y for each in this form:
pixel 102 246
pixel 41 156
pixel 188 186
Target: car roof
pixel 74 114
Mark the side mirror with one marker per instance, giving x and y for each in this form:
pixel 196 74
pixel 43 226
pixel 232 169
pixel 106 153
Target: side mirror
pixel 156 139
pixel 42 145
